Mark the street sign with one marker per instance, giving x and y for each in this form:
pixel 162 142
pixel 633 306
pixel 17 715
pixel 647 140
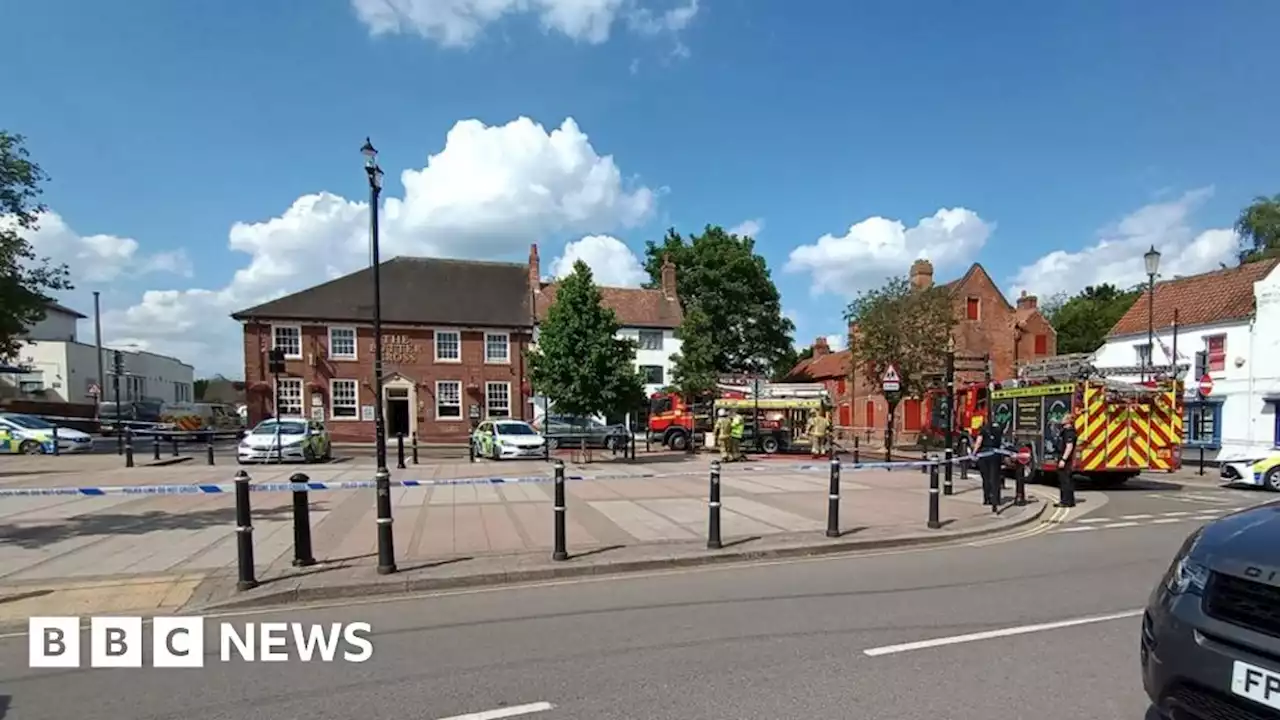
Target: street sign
pixel 891 381
pixel 1024 455
pixel 1206 385
pixel 94 390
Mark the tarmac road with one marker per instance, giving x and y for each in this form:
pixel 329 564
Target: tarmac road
pixel 808 639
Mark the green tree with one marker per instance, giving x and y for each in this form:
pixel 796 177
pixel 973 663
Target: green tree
pixel 26 280
pixel 1259 226
pixel 694 370
pixel 199 387
pixel 904 327
pixel 580 364
pixel 725 276
pixel 1083 320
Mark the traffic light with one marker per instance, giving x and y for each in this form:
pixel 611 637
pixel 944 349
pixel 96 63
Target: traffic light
pixel 117 362
pixel 275 361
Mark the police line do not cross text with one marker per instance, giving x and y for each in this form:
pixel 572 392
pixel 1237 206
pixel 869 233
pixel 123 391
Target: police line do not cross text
pixel 179 642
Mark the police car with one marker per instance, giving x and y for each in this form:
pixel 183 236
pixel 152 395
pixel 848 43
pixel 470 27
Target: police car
pixel 1263 470
pixel 30 435
pixel 300 440
pixel 500 439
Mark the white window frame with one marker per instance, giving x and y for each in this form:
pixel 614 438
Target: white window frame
pixel 295 328
pixel 435 343
pixel 497 383
pixel 355 344
pixel 662 337
pixel 302 397
pixel 506 344
pixel 333 400
pixel 438 416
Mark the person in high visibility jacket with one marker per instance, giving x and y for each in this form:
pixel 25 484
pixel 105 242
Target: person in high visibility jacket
pixel 735 432
pixel 817 431
pixel 723 431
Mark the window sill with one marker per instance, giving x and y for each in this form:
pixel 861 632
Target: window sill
pixel 448 419
pixel 334 418
pixel 343 358
pixel 448 361
pixel 497 362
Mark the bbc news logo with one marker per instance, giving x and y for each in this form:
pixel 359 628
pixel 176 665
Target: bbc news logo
pixel 178 642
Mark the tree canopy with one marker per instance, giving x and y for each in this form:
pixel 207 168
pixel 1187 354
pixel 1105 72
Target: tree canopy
pixel 26 280
pixel 694 369
pixel 1259 225
pixel 1084 319
pixel 580 364
pixel 904 327
pixel 731 283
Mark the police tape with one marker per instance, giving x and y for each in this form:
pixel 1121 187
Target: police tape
pixel 320 486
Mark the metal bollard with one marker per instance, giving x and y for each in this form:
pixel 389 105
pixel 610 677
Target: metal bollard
pixel 713 509
pixel 1020 486
pixel 386 540
pixel 964 465
pixel 302 556
pixel 856 460
pixel 415 448
pixel 1201 459
pixel 924 456
pixel 560 553
pixel 471 449
pixel 244 535
pixel 128 448
pixel 209 446
pixel 934 521
pixel 155 447
pixel 947 487
pixel 55 441
pixel 399 451
pixel 174 438
pixel 833 501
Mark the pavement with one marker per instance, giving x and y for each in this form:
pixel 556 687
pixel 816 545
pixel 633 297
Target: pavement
pixel 1033 624
pixel 152 553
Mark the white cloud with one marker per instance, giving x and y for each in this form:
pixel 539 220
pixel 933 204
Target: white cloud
pixel 490 192
pixel 837 342
pixel 611 261
pixel 459 23
pixel 97 258
pixel 1116 257
pixel 748 228
pixel 878 247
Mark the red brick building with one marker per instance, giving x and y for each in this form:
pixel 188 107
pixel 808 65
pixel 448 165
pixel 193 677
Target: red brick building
pixel 454 335
pixel 986 323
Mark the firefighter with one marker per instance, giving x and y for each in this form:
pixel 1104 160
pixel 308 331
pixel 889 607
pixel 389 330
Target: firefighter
pixel 990 437
pixel 817 431
pixel 735 434
pixel 1065 447
pixel 722 430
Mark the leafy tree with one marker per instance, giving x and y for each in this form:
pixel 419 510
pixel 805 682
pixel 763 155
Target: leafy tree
pixel 694 370
pixel 904 327
pixel 723 274
pixel 199 387
pixel 1083 320
pixel 580 364
pixel 25 279
pixel 1259 225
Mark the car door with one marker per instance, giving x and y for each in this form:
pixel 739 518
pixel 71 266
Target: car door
pixel 482 438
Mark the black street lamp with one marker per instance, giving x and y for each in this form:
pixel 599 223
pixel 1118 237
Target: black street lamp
pixel 382 478
pixel 1151 259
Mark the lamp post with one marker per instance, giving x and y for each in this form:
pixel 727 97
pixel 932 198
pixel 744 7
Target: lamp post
pixel 1151 259
pixel 382 478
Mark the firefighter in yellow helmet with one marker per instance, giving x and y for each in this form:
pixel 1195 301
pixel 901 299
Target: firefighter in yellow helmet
pixel 819 427
pixel 735 433
pixel 722 432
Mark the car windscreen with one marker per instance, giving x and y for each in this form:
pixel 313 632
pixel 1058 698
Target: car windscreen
pixel 515 429
pixel 286 428
pixel 29 422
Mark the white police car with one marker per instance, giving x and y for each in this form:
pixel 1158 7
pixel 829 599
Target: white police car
pixel 30 435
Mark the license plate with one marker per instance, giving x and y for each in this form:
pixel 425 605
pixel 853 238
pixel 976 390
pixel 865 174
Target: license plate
pixel 1258 684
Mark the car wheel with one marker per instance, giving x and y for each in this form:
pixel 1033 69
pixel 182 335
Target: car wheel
pixel 1272 479
pixel 31 447
pixel 494 454
pixel 553 444
pixel 678 441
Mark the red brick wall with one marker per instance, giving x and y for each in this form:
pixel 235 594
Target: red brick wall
pixel 422 370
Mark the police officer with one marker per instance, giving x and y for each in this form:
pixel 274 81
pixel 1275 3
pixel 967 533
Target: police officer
pixel 990 437
pixel 722 431
pixel 1065 447
pixel 735 436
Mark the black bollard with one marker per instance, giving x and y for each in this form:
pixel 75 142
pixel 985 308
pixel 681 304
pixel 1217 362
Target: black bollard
pixel 399 451
pixel 415 448
pixel 947 487
pixel 302 556
pixel 208 446
pixel 856 452
pixel 713 509
pixel 833 501
pixel 934 521
pixel 56 451
pixel 924 457
pixel 386 540
pixel 1202 460
pixel 244 535
pixel 128 448
pixel 560 553
pixel 471 449
pixel 1020 486
pixel 174 438
pixel 155 447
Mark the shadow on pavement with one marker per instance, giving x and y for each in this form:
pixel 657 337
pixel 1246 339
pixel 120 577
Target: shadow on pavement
pixel 49 532
pixel 5 701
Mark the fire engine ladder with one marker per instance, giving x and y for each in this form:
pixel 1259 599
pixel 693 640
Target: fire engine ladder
pixel 1079 366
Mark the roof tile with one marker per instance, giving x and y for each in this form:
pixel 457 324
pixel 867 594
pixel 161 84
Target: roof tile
pixel 635 307
pixel 1214 297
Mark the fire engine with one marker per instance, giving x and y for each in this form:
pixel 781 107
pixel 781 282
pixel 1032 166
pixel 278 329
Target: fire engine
pixel 783 407
pixel 1123 428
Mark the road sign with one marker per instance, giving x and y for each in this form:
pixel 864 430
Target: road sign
pixel 94 390
pixel 1024 455
pixel 891 381
pixel 1206 385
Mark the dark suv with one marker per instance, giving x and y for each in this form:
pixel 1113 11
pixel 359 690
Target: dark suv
pixel 1211 632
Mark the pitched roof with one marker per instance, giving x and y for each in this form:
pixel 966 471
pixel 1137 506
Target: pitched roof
pixel 418 291
pixel 56 307
pixel 1214 297
pixel 635 307
pixel 823 367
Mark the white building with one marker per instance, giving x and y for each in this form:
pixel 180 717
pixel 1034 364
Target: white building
pixel 62 369
pixel 1228 329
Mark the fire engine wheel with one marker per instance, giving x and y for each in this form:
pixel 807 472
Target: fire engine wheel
pixel 769 445
pixel 1272 479
pixel 678 441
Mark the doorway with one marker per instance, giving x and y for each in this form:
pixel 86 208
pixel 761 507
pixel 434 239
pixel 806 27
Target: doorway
pixel 397 408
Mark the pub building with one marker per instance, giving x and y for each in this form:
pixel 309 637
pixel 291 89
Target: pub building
pixel 454 336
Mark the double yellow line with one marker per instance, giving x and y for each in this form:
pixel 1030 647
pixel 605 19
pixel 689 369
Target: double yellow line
pixel 1055 520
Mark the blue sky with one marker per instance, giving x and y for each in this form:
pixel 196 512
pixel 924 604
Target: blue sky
pixel 204 155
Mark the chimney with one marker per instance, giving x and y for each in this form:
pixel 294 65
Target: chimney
pixel 921 275
pixel 668 277
pixel 820 347
pixel 1027 302
pixel 535 270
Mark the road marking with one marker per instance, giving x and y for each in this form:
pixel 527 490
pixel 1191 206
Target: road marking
pixel 1122 524
pixel 1137 517
pixel 1166 521
pixel 1079 528
pixel 993 634
pixel 506 712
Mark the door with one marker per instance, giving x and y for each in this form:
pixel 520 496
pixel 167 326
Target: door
pixel 397 412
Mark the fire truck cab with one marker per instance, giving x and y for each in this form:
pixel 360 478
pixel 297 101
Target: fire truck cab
pixel 783 410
